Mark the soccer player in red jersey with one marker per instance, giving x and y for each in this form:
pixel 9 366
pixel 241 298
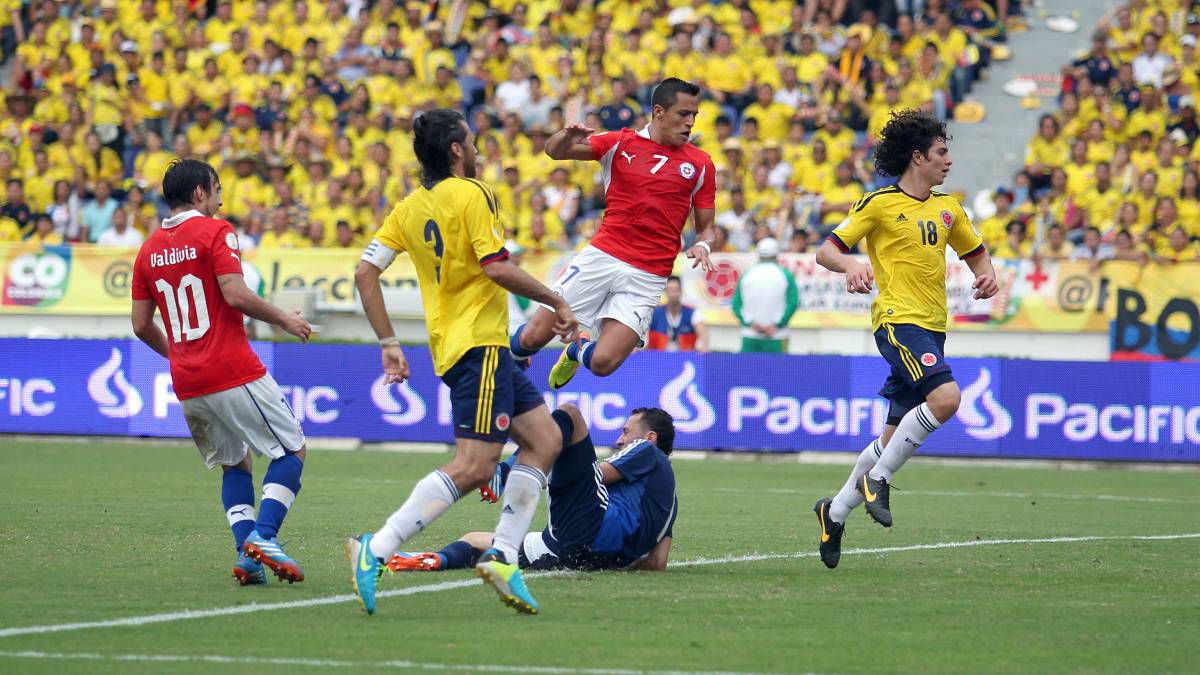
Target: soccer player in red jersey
pixel 653 180
pixel 191 271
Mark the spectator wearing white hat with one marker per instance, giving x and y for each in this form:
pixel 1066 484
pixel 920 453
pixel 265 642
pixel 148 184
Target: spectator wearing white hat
pixel 765 300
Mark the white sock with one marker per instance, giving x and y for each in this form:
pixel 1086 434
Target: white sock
pixel 912 431
pixel 847 499
pixel 521 495
pixel 430 498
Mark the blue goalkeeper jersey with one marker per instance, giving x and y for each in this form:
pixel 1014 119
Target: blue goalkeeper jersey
pixel 642 507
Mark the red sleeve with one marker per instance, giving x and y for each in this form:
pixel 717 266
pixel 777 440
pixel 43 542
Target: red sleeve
pixel 223 251
pixel 139 289
pixel 706 191
pixel 602 143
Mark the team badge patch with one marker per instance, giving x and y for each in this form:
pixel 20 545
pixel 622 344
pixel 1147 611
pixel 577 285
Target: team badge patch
pixel 947 219
pixel 502 422
pixel 687 170
pixel 231 240
pixel 928 359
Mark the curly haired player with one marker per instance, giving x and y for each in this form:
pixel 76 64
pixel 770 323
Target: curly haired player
pixel 906 227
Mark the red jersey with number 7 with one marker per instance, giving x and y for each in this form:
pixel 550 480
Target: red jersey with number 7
pixel 177 268
pixel 649 191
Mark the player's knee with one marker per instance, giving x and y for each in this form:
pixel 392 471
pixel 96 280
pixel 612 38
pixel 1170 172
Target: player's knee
pixel 604 365
pixel 944 401
pixel 578 424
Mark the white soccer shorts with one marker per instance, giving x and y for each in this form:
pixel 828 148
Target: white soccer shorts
pixel 225 424
pixel 598 286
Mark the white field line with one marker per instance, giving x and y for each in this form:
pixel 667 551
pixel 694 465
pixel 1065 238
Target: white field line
pixel 965 493
pixel 335 663
pixel 463 583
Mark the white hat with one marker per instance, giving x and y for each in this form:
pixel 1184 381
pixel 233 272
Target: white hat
pixel 1188 41
pixel 129 46
pixel 768 248
pixel 681 15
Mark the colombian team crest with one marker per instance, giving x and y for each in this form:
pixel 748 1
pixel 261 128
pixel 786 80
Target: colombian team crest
pixel 928 359
pixel 502 421
pixel 947 219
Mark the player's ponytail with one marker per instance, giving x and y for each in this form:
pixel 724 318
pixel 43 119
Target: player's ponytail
pixel 433 134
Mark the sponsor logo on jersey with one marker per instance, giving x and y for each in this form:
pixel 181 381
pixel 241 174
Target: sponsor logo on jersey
pixel 628 157
pixel 174 256
pixel 901 219
pixel 928 359
pixel 980 412
pixel 125 401
pixel 687 170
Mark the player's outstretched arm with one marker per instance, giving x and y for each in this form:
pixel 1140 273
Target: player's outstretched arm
pixel 571 142
pixel 370 293
pixel 985 284
pixel 507 275
pixel 706 232
pixel 860 278
pixel 145 328
pixel 246 301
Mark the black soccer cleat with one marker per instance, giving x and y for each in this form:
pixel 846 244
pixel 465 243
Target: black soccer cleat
pixel 876 499
pixel 831 534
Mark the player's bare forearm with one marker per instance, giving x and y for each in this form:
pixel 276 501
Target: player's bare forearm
pixel 370 293
pixel 570 142
pixel 831 258
pixel 981 264
pixel 655 560
pixel 144 327
pixel 706 224
pixel 507 275
pixel 246 301
pixel 985 284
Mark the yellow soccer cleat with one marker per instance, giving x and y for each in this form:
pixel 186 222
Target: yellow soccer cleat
pixel 564 370
pixel 506 580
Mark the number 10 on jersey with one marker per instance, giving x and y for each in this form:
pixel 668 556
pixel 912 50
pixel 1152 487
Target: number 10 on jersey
pixel 179 303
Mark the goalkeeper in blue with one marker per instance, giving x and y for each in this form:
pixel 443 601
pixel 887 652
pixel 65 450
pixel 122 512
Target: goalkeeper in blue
pixel 613 514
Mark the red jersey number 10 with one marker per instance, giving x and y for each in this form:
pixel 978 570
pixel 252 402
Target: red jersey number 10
pixel 179 303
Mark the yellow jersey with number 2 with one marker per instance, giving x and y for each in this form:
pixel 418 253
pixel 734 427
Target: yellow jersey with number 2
pixel 450 230
pixel 906 240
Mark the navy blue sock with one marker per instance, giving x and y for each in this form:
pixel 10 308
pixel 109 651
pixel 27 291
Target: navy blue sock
pixel 459 555
pixel 515 348
pixel 581 351
pixel 237 495
pixel 280 486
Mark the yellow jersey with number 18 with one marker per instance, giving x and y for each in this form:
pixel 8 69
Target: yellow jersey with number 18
pixel 450 230
pixel 906 240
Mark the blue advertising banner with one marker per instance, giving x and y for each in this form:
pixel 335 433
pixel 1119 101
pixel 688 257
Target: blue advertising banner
pixel 752 402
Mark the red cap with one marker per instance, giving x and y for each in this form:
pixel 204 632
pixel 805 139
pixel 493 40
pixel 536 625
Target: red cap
pixel 35 129
pixel 242 109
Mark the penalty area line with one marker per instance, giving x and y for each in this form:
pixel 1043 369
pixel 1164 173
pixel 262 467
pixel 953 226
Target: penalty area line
pixel 251 608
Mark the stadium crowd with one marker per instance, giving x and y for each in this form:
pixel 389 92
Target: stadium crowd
pixel 1113 173
pixel 306 107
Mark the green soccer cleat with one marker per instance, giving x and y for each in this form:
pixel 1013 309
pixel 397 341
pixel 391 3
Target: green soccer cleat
pixel 506 580
pixel 565 368
pixel 365 570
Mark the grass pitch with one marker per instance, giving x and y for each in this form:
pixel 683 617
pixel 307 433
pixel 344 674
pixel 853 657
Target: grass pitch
pixel 94 532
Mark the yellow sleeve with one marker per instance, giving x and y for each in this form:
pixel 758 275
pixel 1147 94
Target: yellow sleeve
pixel 481 218
pixel 862 220
pixel 391 234
pixel 964 238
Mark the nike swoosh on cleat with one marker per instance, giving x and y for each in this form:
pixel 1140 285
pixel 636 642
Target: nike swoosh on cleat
pixel 363 552
pixel 870 496
pixel 821 516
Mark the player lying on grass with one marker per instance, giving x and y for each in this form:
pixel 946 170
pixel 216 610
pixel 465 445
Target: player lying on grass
pixel 615 514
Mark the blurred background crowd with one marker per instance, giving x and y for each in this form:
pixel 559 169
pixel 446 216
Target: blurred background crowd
pixel 305 107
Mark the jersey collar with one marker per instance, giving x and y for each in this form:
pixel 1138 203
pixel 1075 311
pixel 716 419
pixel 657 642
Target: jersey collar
pixel 178 218
pixel 644 132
